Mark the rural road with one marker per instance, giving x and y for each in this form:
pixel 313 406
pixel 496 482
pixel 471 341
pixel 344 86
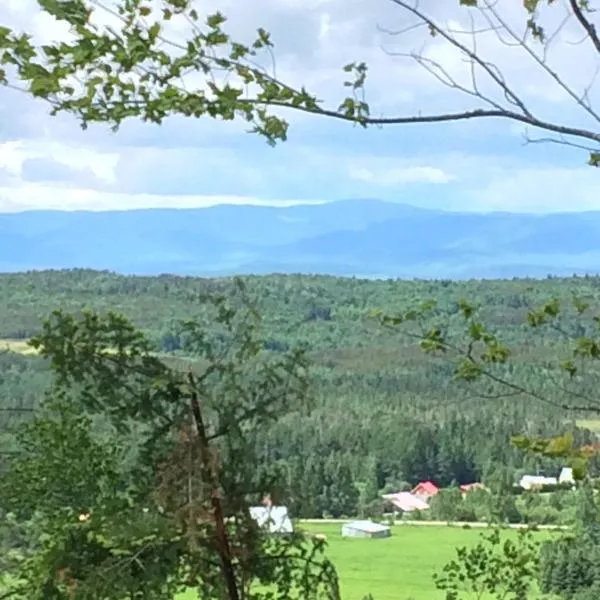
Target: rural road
pixel 443 524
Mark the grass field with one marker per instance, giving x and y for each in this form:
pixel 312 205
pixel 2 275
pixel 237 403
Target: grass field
pixel 591 424
pixel 400 567
pixel 397 568
pixel 18 346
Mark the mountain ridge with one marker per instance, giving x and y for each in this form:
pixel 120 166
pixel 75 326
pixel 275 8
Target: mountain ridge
pixel 362 237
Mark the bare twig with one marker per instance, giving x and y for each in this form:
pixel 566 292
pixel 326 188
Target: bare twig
pixel 508 37
pixel 434 28
pixel 541 62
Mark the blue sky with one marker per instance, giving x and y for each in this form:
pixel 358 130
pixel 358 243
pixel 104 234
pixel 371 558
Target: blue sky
pixel 480 165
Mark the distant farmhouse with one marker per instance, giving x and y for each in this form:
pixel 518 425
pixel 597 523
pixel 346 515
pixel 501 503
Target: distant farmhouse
pixel 566 475
pixel 405 502
pixel 417 499
pixel 366 529
pixel 425 490
pixel 275 519
pixel 533 482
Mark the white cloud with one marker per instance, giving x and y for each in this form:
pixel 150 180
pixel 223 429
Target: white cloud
pixel 40 197
pixel 186 163
pixel 398 176
pixel 540 190
pixel 102 164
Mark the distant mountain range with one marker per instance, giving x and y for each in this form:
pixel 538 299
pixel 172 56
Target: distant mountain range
pixel 366 238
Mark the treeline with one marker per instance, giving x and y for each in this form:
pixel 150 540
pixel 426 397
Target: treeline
pixel 385 416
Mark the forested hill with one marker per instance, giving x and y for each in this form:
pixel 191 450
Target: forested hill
pixel 386 413
pixel 324 312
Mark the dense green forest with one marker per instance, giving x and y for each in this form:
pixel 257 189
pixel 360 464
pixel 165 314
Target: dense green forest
pixel 386 414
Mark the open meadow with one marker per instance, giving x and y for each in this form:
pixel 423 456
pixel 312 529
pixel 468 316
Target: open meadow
pixel 19 346
pixel 400 567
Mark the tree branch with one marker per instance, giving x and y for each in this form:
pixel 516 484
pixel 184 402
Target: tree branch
pixel 158 93
pixel 590 29
pixel 222 539
pixel 511 96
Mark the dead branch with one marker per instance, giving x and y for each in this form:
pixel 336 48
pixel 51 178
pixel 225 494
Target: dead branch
pixel 589 28
pixel 516 108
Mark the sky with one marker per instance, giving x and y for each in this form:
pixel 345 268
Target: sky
pixel 481 165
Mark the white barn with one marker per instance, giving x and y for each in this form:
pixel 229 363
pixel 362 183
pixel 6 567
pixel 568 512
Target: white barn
pixel 275 519
pixel 566 475
pixel 366 529
pixel 531 482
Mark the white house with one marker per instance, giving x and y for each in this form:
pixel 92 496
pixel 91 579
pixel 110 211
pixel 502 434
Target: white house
pixel 275 519
pixel 529 482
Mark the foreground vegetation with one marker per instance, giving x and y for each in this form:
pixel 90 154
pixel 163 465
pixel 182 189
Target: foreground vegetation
pixel 362 410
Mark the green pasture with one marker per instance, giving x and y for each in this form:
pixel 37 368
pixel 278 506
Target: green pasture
pixel 17 346
pixel 400 567
pixel 591 424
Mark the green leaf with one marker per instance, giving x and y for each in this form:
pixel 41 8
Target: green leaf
pixel 559 446
pixel 580 468
pixel 569 367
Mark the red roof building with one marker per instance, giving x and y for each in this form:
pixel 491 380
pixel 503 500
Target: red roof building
pixel 425 489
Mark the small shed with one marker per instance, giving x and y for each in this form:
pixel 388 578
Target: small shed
pixel 366 529
pixel 275 519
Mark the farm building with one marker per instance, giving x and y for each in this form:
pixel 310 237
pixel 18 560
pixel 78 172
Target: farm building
pixel 532 482
pixel 365 529
pixel 566 475
pixel 405 502
pixel 273 518
pixel 425 490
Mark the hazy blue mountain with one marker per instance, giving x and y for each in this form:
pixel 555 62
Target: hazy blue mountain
pixel 350 237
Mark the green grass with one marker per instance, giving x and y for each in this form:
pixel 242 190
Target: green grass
pixel 397 568
pixel 400 567
pixel 17 346
pixel 23 347
pixel 591 424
